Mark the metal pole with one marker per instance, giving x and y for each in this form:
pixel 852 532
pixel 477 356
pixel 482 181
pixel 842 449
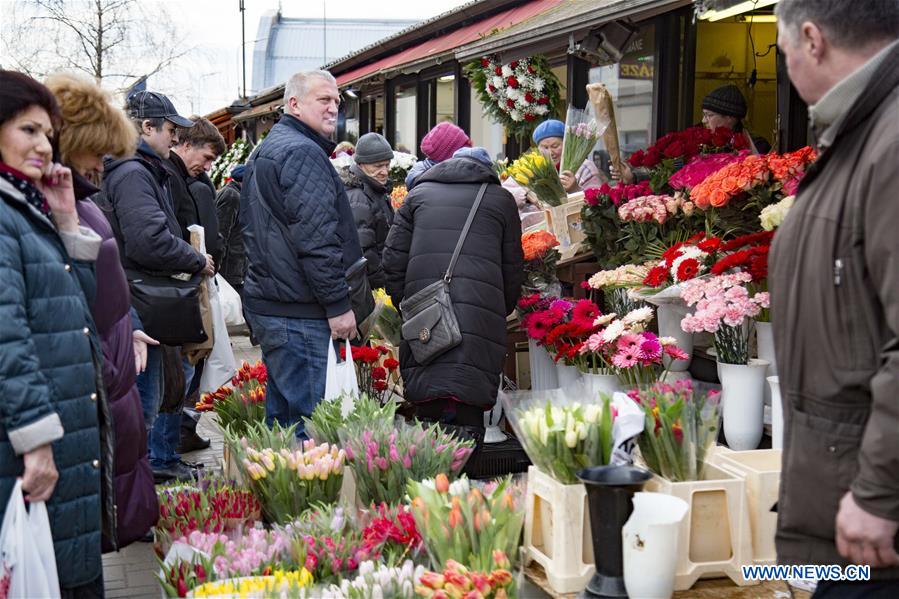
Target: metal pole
pixel 243 45
pixel 324 33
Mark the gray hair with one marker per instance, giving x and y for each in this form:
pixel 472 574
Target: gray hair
pixel 855 24
pixel 298 85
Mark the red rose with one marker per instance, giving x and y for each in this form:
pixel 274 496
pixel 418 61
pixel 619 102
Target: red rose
pixel 485 63
pixel 653 157
pixel 513 65
pixel 675 150
pixel 513 82
pixel 498 70
pixel 721 137
pixel 636 158
pixel 739 142
pixel 591 196
pixel 656 276
pixel 510 103
pixel 688 269
pixel 528 97
pixel 543 100
pixel 531 70
pixel 491 88
pixel 530 117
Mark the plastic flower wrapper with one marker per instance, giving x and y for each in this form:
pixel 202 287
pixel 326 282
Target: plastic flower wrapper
pixel 386 320
pixel 681 426
pixel 537 172
pixel 384 456
pixel 540 261
pixel 581 134
pixel 243 403
pixel 565 430
pixel 375 581
pixel 327 418
pixel 458 521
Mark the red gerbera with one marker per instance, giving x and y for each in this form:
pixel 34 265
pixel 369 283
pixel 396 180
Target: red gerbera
pixel 710 244
pixel 760 238
pixel 687 269
pixel 672 253
pixel 656 276
pixel 584 311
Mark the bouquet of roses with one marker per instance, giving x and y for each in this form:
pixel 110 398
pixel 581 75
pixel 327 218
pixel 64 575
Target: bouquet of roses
pixel 561 439
pixel 700 167
pixel 789 168
pixel 241 404
pixel 464 523
pixel 376 370
pixel 772 216
pixel 681 426
pixel 540 259
pixel 458 581
pixel 289 482
pixel 684 261
pixel 537 172
pixel 581 135
pixel 611 245
pixel 385 455
pixel 723 304
pixel 213 505
pixel 327 419
pixel 624 347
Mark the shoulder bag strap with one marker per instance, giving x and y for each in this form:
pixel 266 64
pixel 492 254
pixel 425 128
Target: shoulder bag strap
pixel 452 265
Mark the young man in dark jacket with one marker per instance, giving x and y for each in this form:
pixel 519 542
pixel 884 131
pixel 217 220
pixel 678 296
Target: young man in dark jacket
pixel 138 202
pixel 367 185
pixel 835 297
pixel 301 240
pixel 234 255
pixel 457 387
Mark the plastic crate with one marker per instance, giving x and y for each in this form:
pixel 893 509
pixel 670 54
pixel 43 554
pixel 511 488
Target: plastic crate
pixel 497 459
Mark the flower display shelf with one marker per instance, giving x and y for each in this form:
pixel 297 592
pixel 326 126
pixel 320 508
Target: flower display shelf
pixel 557 532
pixel 715 538
pixel 760 471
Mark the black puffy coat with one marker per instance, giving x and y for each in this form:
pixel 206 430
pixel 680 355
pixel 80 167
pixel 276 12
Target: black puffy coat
pixel 485 286
pixel 298 228
pixel 370 202
pixel 138 203
pixel 234 254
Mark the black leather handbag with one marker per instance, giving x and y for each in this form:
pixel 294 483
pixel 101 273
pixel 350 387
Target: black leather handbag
pixel 168 306
pixel 430 326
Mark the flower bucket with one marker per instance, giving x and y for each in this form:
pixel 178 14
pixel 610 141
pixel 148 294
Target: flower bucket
pixel 743 392
pixel 600 383
pixel 764 336
pixel 669 316
pixel 567 375
pixel 543 369
pixel 650 542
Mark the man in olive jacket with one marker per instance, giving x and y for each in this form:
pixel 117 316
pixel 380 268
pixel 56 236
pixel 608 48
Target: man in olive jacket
pixel 835 297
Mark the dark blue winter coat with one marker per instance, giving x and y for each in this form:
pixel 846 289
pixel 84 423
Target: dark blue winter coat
pixel 48 375
pixel 298 228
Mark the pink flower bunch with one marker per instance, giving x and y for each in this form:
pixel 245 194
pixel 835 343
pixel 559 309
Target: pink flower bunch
pixel 335 557
pixel 594 196
pixel 246 555
pixel 646 208
pixel 721 300
pixel 700 167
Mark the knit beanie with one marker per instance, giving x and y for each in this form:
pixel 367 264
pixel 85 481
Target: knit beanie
pixel 238 171
pixel 550 128
pixel 476 153
pixel 727 100
pixel 371 148
pixel 444 139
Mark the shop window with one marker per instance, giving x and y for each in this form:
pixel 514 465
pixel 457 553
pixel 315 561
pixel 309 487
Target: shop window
pixel 444 105
pixel 404 135
pixel 350 114
pixel 561 73
pixel 631 84
pixel 484 132
pixel 379 115
pixel 727 52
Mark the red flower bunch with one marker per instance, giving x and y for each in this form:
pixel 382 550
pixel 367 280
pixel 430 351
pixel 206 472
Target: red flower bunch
pixel 393 531
pixel 595 196
pixel 563 327
pixel 247 373
pixel 241 405
pixel 684 261
pixel 334 558
pixel 688 143
pixel 789 168
pixel 375 369
pixel 215 506
pixel 749 253
pixel 181 577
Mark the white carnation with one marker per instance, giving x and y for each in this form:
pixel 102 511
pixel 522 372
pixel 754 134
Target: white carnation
pixel 539 84
pixel 498 82
pixel 541 109
pixel 507 71
pixel 516 115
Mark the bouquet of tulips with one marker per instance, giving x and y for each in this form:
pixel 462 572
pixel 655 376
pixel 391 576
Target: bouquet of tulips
pixel 393 533
pixel 378 580
pixel 461 522
pixel 681 426
pixel 289 482
pixel 384 456
pixel 537 172
pixel 241 404
pixel 277 584
pixel 213 505
pixel 581 135
pixel 458 582
pixel 327 419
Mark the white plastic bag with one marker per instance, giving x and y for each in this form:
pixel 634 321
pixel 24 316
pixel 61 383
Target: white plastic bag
pixel 340 380
pixel 26 549
pixel 231 304
pixel 220 364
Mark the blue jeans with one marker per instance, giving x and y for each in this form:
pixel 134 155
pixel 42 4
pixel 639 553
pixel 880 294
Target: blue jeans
pixel 166 432
pixel 149 385
pixel 295 353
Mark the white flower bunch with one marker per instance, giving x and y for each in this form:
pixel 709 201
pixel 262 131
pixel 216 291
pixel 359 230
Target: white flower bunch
pixel 772 216
pixel 236 154
pixel 377 582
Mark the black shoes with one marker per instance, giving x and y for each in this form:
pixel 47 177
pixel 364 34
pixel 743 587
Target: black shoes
pixel 179 471
pixel 191 441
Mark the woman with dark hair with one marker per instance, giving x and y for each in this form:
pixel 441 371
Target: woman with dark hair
pixel 91 129
pixel 49 372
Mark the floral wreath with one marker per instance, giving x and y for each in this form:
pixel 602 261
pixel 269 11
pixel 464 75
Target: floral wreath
pixel 516 95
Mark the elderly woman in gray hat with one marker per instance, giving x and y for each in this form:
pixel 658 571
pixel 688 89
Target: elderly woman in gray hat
pixel 368 187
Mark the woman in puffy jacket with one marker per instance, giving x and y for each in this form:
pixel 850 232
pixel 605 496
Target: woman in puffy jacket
pixel 92 128
pixel 50 432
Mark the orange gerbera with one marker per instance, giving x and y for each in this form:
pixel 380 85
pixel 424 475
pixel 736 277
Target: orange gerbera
pixel 536 243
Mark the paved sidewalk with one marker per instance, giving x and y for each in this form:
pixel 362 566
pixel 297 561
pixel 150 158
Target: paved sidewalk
pixel 132 571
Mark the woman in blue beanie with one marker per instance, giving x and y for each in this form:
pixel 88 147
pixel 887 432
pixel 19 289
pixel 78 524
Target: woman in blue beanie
pixel 549 136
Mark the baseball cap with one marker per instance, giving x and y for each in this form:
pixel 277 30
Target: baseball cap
pixel 152 105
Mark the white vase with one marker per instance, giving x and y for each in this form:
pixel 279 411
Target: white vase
pixel 567 375
pixel 543 369
pixel 670 316
pixel 764 336
pixel 777 413
pixel 743 392
pixel 650 543
pixel 600 383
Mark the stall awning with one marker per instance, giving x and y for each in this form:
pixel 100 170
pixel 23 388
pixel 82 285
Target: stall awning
pixel 446 43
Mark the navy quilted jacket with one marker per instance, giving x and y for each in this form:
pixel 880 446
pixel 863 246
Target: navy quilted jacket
pixel 48 381
pixel 298 228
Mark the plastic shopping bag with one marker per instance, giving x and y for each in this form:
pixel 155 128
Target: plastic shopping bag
pixel 220 365
pixel 231 304
pixel 27 560
pixel 340 380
